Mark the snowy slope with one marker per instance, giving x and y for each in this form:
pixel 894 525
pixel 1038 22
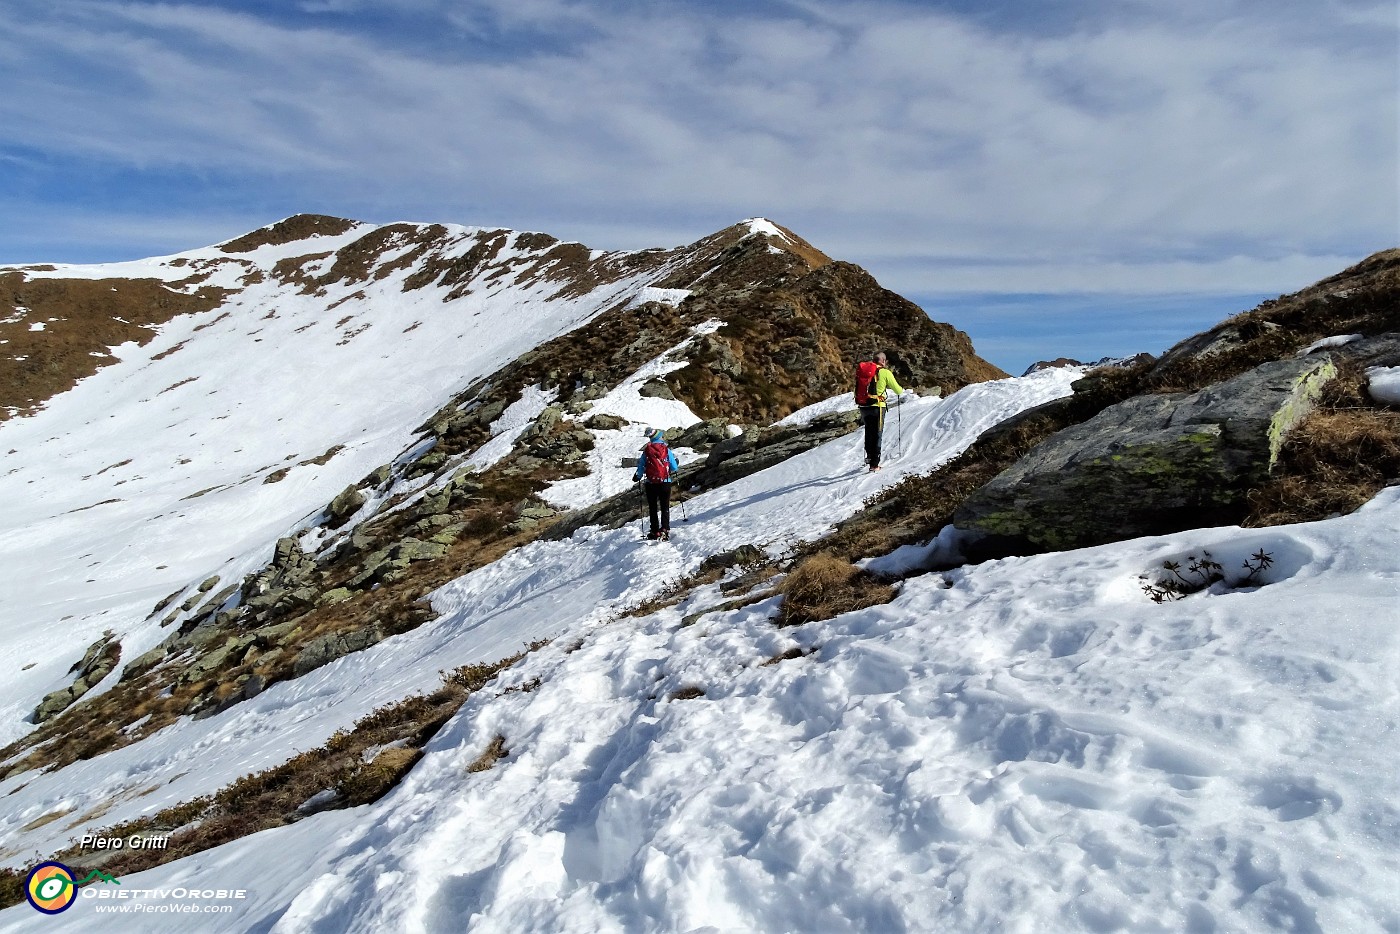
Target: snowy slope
pixel 152 473
pixel 545 589
pixel 1025 745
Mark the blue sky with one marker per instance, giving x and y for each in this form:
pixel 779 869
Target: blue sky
pixel 1078 178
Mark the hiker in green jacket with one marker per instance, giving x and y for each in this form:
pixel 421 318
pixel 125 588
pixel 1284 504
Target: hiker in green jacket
pixel 873 380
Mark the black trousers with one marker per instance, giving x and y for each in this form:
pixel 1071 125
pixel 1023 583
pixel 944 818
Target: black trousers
pixel 873 417
pixel 659 500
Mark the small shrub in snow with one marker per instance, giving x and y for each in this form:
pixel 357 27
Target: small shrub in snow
pixel 494 753
pixel 787 656
pixel 12 886
pixel 1202 573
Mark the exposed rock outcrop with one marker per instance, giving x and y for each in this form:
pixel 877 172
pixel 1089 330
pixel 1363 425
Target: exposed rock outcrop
pixel 1148 465
pixel 97 663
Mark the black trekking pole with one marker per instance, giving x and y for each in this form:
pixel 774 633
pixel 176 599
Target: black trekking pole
pixel 680 500
pixel 642 511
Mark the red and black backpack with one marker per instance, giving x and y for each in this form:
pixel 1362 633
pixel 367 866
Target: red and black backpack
pixel 658 461
pixel 867 373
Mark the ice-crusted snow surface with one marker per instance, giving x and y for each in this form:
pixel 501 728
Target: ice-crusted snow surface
pixel 1024 745
pixel 1337 340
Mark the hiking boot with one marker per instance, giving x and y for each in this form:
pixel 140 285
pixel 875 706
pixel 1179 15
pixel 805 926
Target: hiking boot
pixel 653 535
pixel 665 535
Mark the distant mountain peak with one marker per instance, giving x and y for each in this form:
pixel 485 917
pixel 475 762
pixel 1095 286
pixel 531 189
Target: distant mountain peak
pixel 289 230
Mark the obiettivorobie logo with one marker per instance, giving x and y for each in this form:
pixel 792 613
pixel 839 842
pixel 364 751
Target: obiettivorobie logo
pixel 51 887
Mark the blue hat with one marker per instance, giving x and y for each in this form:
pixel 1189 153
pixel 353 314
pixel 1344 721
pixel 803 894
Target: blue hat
pixel 658 435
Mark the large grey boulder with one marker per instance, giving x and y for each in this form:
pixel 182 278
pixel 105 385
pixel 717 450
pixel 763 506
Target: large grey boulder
pixel 345 505
pixel 605 422
pixel 97 663
pixel 699 436
pixel 323 650
pixel 655 389
pixel 411 549
pixel 1149 465
pixel 730 447
pixel 1381 350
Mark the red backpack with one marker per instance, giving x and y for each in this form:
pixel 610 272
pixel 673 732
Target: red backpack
pixel 866 375
pixel 658 462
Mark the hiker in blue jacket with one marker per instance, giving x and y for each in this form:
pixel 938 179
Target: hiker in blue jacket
pixel 658 466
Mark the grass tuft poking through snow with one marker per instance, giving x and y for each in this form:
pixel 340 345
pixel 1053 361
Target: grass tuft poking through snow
pixel 823 586
pixel 1337 458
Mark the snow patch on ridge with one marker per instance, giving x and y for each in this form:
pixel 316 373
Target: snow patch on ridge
pixel 664 296
pixel 764 227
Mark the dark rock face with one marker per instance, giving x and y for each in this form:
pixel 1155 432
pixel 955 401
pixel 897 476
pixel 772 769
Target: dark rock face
pixel 1381 350
pixel 1149 465
pixel 97 663
pixel 606 423
pixel 736 557
pixel 655 389
pixel 797 342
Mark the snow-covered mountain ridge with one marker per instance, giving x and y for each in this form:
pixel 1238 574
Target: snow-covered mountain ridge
pixel 333 343
pixel 688 765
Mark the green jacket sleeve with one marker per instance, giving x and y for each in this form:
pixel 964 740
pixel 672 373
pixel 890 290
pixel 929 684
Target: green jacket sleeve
pixel 885 380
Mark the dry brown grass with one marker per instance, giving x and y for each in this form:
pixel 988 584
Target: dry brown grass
pixel 823 586
pixel 297 227
pixel 46 819
pixel 1334 461
pixel 12 886
pixel 673 592
pixel 82 318
pixel 786 656
pixel 1359 300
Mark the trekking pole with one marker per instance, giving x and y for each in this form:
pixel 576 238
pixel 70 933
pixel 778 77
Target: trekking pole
pixel 642 511
pixel 680 500
pixel 899 420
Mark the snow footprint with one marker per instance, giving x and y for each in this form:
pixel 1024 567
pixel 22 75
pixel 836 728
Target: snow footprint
pixel 1295 798
pixel 877 671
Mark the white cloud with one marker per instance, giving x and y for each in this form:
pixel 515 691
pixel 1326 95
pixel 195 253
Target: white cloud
pixel 1115 148
pixel 1228 275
